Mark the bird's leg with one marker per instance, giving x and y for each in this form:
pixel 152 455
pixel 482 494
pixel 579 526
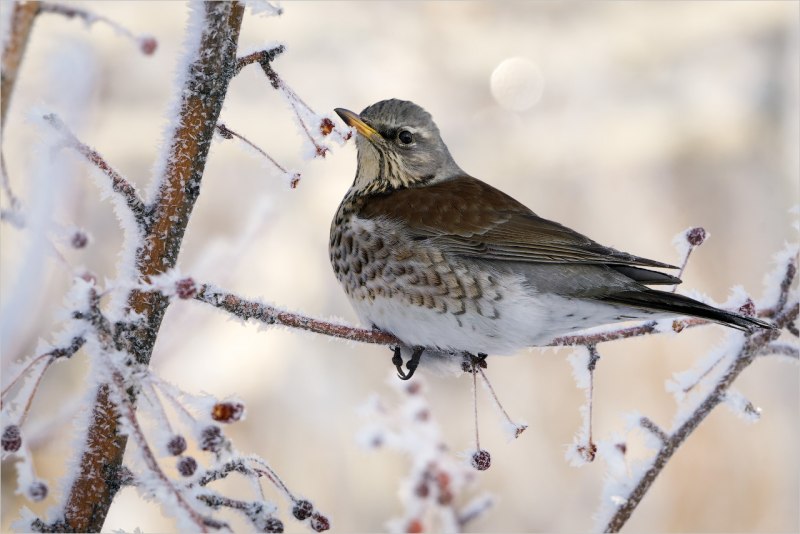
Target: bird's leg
pixel 411 365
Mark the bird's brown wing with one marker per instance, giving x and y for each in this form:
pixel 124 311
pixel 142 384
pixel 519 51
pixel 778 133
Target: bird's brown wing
pixel 467 217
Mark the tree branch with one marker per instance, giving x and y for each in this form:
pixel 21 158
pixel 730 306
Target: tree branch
pixel 208 72
pixel 20 30
pixel 754 344
pixel 118 183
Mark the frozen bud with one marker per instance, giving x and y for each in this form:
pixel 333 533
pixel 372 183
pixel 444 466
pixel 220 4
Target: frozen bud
pixel 588 452
pixel 481 460
pixel 320 523
pixel 224 132
pixel 321 151
pixel 187 466
pixel 748 308
pixel 12 439
pixel 79 239
pixel 86 276
pixel 185 288
pixel 211 438
pixel 415 527
pixel 326 126
pixel 273 524
pixel 37 491
pixel 294 180
pixel 177 445
pixel 148 45
pixel 302 509
pixel 227 412
pixel 695 236
pixel 466 366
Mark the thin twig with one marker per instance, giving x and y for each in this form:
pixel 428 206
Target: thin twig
pixel 753 345
pixel 147 44
pixel 119 184
pixel 227 133
pixel 263 57
pixel 518 429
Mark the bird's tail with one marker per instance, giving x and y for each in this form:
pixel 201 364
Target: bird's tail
pixel 652 299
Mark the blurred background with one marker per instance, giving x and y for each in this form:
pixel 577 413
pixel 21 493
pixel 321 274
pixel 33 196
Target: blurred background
pixel 627 121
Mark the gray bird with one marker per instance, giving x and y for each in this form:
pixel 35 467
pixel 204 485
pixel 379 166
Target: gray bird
pixel 448 263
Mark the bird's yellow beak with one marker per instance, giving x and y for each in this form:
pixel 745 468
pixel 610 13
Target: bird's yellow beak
pixel 352 119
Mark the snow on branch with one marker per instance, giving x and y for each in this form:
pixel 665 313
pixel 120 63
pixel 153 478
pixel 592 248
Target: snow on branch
pixel 147 43
pixel 622 494
pixel 118 183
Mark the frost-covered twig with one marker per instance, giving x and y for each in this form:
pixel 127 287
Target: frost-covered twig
pixel 210 59
pixel 437 480
pixel 270 315
pixel 248 309
pixel 227 133
pixel 262 57
pixel 147 44
pixel 118 183
pixel 786 313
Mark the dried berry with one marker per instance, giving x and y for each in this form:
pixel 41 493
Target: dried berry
pixel 185 288
pixel 187 466
pixel 273 524
pixel 12 438
pixel 79 239
pixel 415 527
pixel 177 445
pixel 326 126
pixel 227 412
pixel 321 151
pixel 481 460
pixel 445 497
pixel 748 308
pixel 148 45
pixel 622 447
pixel 302 509
pixel 422 490
pixel 320 523
pixel 211 438
pixel 696 236
pixel 37 491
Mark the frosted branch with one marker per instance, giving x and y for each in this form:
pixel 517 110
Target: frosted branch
pixel 263 58
pixel 147 44
pixel 20 30
pixel 119 184
pixel 227 133
pixel 784 314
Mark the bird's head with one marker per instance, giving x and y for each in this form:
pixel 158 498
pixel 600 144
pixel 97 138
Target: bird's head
pixel 399 146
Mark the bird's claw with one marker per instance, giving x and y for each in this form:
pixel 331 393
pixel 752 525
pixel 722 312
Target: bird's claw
pixel 411 365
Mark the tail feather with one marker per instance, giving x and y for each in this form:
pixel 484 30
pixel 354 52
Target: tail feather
pixel 651 299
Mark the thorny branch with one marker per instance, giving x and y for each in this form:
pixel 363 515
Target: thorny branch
pixel 118 183
pixel 784 314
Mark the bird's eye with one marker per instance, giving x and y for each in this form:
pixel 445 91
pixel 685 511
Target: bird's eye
pixel 405 137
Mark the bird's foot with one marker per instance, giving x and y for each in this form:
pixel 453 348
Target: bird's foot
pixel 411 365
pixel 472 362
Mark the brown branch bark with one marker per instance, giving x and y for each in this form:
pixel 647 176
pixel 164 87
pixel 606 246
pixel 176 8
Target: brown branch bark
pixel 208 74
pixel 118 183
pixel 20 30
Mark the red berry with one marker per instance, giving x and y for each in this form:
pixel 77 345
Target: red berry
pixel 177 445
pixel 227 412
pixel 12 438
pixel 185 288
pixel 481 460
pixel 211 438
pixel 187 466
pixel 37 491
pixel 326 126
pixel 273 524
pixel 696 236
pixel 79 239
pixel 148 45
pixel 415 527
pixel 320 523
pixel 302 509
